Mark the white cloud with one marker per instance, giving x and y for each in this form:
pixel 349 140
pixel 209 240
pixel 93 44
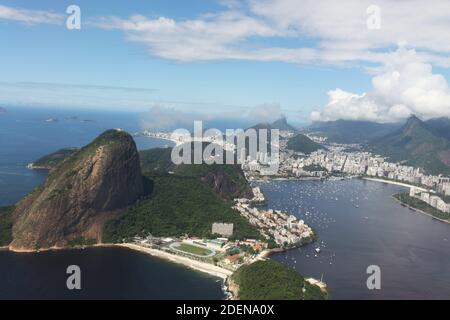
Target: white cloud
pixel 336 31
pixel 405 85
pixel 265 112
pixel 30 17
pixel 211 37
pixel 341 30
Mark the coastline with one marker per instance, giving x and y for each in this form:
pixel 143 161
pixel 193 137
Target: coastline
pixel 193 264
pixel 418 210
pixel 394 182
pixel 405 204
pixel 204 267
pixel 231 292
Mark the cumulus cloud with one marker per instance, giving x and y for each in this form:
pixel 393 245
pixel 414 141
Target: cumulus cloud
pixel 31 17
pixel 160 117
pixel 405 85
pixel 337 31
pixel 265 113
pixel 163 117
pixel 215 36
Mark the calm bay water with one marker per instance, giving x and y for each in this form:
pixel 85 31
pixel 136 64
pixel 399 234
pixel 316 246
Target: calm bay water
pixel 359 224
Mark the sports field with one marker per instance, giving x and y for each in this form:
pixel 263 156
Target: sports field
pixel 196 250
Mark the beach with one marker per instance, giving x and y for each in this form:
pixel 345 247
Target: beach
pixel 193 264
pixel 395 183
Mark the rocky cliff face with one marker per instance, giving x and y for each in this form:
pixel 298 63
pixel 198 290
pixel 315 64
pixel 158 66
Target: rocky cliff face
pixel 227 186
pixel 79 194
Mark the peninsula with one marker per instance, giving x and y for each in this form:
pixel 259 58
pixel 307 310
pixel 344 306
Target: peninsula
pixel 133 204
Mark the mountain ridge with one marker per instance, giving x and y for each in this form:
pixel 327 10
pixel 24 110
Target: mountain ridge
pixel 415 144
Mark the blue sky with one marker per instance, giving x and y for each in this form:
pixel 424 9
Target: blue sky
pixel 211 57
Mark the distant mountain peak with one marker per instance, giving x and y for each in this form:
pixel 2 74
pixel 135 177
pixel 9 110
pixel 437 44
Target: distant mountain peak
pixel 414 124
pixel 417 145
pixel 280 124
pixel 413 119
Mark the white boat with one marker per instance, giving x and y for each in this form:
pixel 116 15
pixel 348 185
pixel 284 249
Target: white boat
pixel 317 250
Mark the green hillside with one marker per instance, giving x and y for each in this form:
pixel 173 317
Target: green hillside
pixel 417 145
pixel 186 201
pixel 301 143
pixel 181 203
pixel 183 199
pixel 270 280
pixel 53 159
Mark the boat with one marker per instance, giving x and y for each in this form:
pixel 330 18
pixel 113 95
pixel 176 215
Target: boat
pixel 317 250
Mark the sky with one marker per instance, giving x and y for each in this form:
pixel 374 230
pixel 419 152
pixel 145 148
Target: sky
pixel 201 59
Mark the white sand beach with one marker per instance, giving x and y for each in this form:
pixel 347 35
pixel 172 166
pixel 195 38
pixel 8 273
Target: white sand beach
pixel 194 264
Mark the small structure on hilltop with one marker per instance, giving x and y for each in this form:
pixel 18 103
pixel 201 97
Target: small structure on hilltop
pixel 224 229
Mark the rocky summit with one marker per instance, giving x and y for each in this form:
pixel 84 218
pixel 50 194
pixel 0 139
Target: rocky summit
pixel 79 195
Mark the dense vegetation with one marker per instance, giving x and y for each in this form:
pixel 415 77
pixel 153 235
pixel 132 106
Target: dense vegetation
pixel 81 241
pixel 421 205
pixel 301 143
pixel 5 225
pixel 181 203
pixel 417 145
pixel 178 199
pixel 270 280
pixel 157 159
pixel 52 160
pixel 440 127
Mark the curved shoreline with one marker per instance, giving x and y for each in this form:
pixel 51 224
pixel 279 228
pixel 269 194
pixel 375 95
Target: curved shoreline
pixel 395 183
pixel 418 210
pixel 193 264
pixel 403 203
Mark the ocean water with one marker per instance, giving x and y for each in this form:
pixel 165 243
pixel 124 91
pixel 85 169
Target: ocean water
pixel 25 136
pixel 107 273
pixel 358 225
